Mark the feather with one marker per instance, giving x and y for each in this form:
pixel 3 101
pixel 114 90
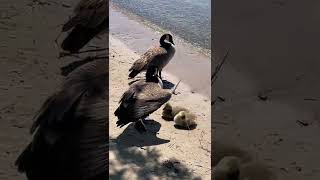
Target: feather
pixel 141 99
pixel 71 130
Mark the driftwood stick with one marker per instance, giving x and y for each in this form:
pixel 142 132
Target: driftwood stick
pixel 173 92
pixel 218 68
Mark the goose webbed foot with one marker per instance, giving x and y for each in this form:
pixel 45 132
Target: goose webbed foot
pixel 140 126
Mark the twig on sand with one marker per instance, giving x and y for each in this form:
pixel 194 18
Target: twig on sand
pixel 174 90
pixel 218 68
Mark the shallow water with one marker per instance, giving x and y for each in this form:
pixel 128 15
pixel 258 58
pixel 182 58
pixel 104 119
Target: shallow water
pixel 189 19
pixel 189 65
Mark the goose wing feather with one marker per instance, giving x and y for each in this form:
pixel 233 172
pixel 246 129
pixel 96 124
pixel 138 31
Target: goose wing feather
pixel 80 146
pixel 154 55
pixel 145 98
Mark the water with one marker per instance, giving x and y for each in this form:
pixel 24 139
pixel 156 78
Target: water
pixel 189 19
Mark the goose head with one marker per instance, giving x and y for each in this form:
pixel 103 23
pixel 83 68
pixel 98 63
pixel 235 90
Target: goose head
pixel 166 40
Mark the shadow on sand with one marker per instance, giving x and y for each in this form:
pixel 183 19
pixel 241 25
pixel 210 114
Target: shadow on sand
pixel 131 155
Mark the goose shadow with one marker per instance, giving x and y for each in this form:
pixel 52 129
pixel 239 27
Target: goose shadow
pixel 167 84
pixel 192 127
pixel 145 163
pixel 131 137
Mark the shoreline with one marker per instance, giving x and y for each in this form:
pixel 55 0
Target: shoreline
pixel 190 66
pixel 158 29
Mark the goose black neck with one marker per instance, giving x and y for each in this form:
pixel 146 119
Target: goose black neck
pixel 151 75
pixel 152 79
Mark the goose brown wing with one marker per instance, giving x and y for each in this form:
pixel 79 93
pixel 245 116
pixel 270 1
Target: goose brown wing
pixel 149 56
pixel 89 78
pixel 73 146
pixel 88 13
pixel 90 140
pixel 147 100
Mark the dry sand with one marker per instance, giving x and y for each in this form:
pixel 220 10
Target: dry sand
pixel 135 156
pixel 29 70
pixel 274 52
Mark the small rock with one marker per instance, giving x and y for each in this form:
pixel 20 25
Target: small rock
pixel 221 98
pixel 299 169
pixel 18 126
pixel 66 5
pixel 302 124
pixel 263 97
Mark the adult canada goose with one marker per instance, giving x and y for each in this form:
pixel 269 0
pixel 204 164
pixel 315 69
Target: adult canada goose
pixel 228 168
pixel 70 139
pixel 91 18
pixel 156 56
pixel 141 99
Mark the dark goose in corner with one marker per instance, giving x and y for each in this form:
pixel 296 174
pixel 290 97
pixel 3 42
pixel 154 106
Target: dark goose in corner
pixel 70 139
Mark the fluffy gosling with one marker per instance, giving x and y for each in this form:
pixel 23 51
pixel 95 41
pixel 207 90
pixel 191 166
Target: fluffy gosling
pixel 185 120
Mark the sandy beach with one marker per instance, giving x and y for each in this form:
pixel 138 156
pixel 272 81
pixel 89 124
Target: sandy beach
pixel 273 55
pixel 129 150
pixel 29 70
pixel 171 153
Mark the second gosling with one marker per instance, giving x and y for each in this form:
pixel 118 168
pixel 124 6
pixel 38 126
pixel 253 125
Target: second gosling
pixel 169 111
pixel 228 168
pixel 185 120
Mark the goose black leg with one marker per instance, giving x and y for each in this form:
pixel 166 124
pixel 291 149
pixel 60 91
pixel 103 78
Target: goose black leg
pixel 140 126
pixel 160 74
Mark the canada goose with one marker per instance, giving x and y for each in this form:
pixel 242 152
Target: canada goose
pixel 156 56
pixel 141 99
pixel 228 168
pixel 185 120
pixel 90 19
pixel 169 111
pixel 70 139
